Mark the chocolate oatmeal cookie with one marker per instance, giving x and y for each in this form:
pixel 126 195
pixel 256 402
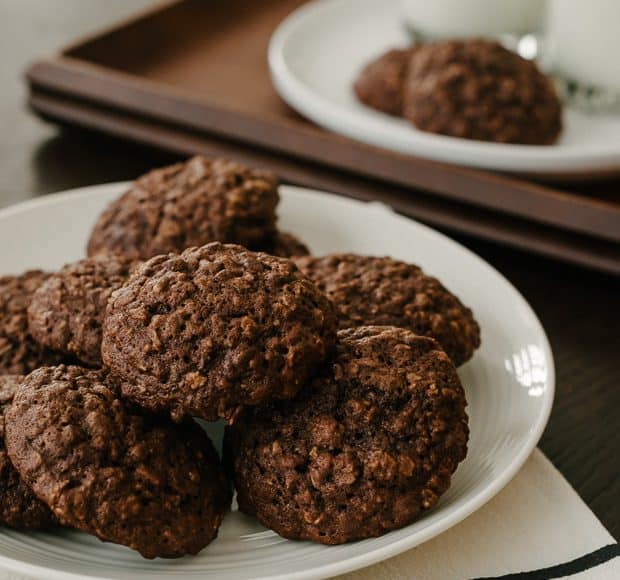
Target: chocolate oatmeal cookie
pixel 365 450
pixel 189 204
pixel 19 352
pixel 285 245
pixel 109 470
pixel 66 312
pixel 380 83
pixel 216 328
pixel 19 507
pixel 477 89
pixel 383 291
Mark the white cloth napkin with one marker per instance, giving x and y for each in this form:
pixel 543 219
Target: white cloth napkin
pixel 536 522
pixel 536 528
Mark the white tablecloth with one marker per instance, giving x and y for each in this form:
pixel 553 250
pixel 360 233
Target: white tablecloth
pixel 537 521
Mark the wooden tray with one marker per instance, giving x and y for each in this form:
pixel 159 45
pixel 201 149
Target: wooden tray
pixel 192 77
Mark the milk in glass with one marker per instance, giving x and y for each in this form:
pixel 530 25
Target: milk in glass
pixel 582 41
pixel 470 18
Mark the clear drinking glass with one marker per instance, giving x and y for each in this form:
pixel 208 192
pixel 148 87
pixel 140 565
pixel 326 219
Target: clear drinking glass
pixel 582 51
pixel 515 22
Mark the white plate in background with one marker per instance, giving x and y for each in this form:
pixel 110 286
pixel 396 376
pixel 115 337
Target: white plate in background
pixel 317 51
pixel 509 385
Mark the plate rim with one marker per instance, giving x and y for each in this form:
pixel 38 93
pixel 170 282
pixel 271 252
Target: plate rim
pixel 527 159
pixel 380 554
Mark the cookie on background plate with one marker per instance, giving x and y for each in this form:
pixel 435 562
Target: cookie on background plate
pixel 370 290
pixel 19 352
pixel 66 312
pixel 477 89
pixel 366 449
pixel 381 82
pixel 105 468
pixel 214 329
pixel 189 204
pixel 19 507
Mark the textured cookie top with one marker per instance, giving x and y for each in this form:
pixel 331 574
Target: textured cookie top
pixel 19 507
pixel 8 387
pixel 477 89
pixel 379 290
pixel 372 443
pixel 380 83
pixel 189 204
pixel 215 328
pixel 19 353
pixel 66 312
pixel 108 470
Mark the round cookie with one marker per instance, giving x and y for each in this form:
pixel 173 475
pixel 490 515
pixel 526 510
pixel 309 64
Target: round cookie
pixel 285 245
pixel 477 89
pixel 19 507
pixel 66 312
pixel 189 204
pixel 368 448
pixel 107 469
pixel 383 291
pixel 380 83
pixel 206 332
pixel 19 353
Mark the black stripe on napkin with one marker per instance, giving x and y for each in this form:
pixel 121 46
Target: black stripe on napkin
pixel 576 566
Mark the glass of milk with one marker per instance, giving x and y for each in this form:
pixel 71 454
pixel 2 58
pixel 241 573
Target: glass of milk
pixel 582 50
pixel 440 19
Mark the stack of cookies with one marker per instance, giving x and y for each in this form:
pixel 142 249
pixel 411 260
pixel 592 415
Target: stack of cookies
pixel 473 89
pixel 335 375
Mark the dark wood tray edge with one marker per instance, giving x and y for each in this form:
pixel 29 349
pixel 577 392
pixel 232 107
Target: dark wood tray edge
pixel 558 244
pixel 114 89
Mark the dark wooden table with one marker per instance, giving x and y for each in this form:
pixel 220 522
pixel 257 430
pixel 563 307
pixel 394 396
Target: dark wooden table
pixel 580 309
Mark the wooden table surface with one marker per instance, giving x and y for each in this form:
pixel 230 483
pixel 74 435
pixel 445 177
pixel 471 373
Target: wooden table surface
pixel 579 309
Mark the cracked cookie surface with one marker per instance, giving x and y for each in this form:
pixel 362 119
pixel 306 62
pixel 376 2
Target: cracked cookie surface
pixel 105 468
pixel 66 312
pixel 19 352
pixel 214 329
pixel 380 290
pixel 189 204
pixel 366 449
pixel 19 507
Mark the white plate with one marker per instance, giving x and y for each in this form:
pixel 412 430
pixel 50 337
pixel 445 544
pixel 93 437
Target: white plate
pixel 509 385
pixel 317 52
